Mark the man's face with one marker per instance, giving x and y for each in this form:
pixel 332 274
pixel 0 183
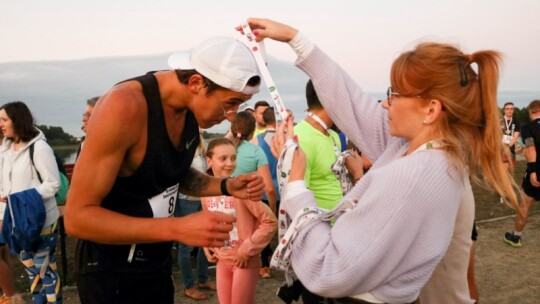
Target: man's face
pixel 508 110
pixel 259 115
pixel 219 105
pixel 86 116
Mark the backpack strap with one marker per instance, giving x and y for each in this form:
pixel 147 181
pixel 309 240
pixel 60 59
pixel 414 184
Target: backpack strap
pixel 31 151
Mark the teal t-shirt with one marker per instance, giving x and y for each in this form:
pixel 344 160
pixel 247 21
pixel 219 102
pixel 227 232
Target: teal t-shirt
pixel 320 155
pixel 249 158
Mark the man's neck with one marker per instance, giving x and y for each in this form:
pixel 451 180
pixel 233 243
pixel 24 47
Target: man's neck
pixel 507 118
pixel 173 93
pixel 315 124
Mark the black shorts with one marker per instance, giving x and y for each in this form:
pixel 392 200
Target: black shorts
pixel 120 288
pixel 529 189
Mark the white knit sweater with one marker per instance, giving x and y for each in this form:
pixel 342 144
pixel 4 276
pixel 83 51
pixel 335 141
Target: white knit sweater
pixel 391 242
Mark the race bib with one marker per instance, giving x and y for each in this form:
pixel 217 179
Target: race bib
pixel 507 139
pixel 163 204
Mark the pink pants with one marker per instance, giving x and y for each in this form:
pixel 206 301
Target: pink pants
pixel 236 285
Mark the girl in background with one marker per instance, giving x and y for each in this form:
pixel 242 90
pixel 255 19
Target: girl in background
pixel 251 158
pixel 239 260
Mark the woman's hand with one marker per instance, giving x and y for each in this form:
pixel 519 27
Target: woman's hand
pixel 298 167
pixel 284 132
pixel 355 166
pixel 266 28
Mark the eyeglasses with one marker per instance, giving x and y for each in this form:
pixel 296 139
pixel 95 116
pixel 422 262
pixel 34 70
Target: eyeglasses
pixel 390 96
pixel 229 112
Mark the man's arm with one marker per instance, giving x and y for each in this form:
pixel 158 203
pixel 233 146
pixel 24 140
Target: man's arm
pixel 530 154
pixel 115 145
pixel 198 184
pixel 515 138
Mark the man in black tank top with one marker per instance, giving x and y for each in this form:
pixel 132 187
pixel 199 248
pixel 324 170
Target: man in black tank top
pixel 530 133
pixel 138 151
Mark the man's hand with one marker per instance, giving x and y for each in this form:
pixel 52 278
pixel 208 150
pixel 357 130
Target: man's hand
pixel 204 229
pixel 247 186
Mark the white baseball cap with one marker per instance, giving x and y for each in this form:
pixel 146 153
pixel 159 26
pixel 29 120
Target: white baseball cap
pixel 224 60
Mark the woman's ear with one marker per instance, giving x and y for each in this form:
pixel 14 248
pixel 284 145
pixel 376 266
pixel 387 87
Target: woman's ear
pixel 433 110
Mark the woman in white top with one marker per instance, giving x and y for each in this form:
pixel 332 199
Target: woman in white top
pixel 19 174
pixel 438 125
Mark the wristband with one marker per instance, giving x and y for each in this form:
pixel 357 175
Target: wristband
pixel 224 187
pixel 531 167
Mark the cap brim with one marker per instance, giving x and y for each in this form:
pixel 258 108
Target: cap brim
pixel 180 61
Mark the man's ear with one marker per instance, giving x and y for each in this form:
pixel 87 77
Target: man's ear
pixel 196 83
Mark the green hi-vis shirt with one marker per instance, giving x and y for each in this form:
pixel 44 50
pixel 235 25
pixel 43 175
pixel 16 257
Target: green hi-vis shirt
pixel 320 155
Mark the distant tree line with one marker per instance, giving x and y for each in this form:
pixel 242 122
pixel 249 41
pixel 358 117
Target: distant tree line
pixel 56 135
pixel 521 115
pixel 210 135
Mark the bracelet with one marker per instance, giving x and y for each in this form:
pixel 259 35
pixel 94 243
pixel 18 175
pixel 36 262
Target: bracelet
pixel 224 187
pixel 531 167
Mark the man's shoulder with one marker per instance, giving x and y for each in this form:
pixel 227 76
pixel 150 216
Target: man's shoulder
pixel 125 98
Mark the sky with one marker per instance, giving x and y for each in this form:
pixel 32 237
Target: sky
pixel 363 36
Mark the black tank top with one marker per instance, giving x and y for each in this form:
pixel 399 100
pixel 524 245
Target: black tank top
pixel 150 192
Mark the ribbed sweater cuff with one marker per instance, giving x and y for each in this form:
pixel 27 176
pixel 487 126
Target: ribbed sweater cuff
pixel 301 45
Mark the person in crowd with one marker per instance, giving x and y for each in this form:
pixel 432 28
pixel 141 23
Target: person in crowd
pixel 252 158
pixel 7 284
pixel 264 141
pixel 511 129
pixel 90 104
pixel 187 205
pixel 239 260
pixel 260 106
pixel 20 173
pixel 530 186
pixel 137 155
pixel 250 110
pixel 438 125
pixel 322 147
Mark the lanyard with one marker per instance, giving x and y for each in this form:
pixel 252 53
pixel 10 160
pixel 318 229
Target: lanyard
pixel 256 50
pixel 325 127
pixel 508 123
